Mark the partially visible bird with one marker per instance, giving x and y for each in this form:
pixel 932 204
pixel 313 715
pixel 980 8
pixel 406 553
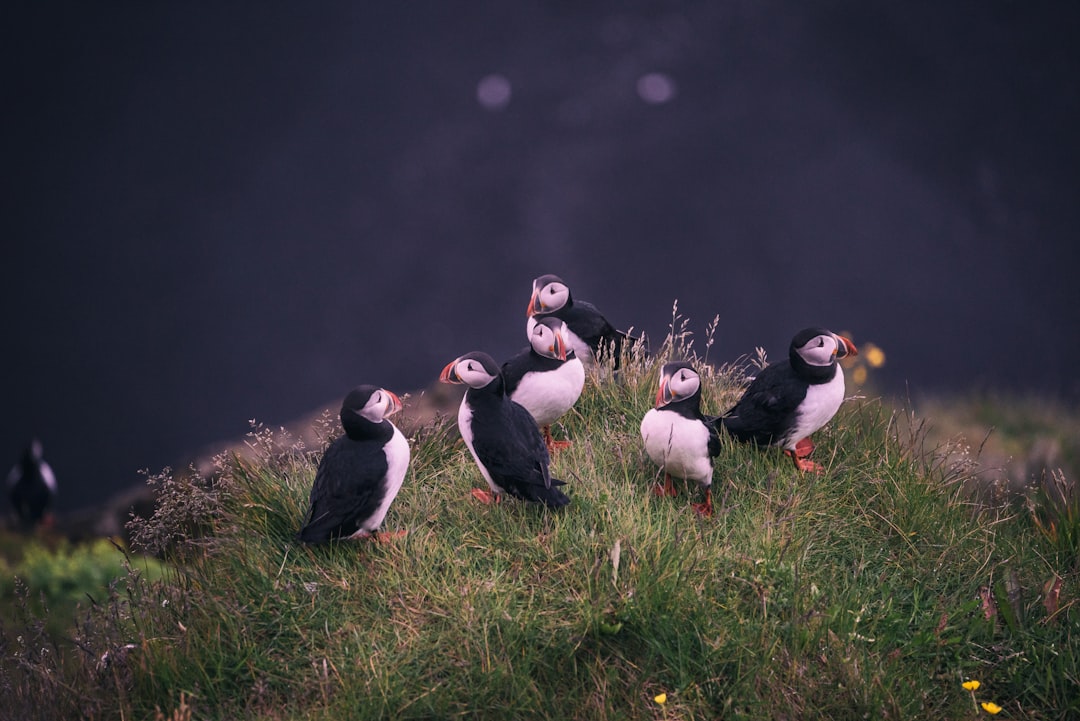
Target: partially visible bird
pixel 791 399
pixel 32 487
pixel 361 472
pixel 502 436
pixel 590 333
pixel 546 378
pixel 677 436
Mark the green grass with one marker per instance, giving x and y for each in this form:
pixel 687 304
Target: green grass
pixel 869 591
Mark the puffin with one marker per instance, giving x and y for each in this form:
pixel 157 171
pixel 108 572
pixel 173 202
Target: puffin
pixel 361 472
pixel 677 436
pixel 789 400
pixel 547 377
pixel 502 436
pixel 32 487
pixel 590 333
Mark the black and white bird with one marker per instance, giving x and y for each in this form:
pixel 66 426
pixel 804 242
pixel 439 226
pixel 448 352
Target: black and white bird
pixel 791 399
pixel 361 472
pixel 32 487
pixel 502 436
pixel 677 437
pixel 590 333
pixel 546 378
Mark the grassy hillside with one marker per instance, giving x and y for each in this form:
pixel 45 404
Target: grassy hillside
pixel 873 590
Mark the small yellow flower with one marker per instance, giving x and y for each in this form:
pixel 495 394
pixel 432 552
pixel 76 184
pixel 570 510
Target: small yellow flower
pixel 990 707
pixel 972 685
pixel 662 699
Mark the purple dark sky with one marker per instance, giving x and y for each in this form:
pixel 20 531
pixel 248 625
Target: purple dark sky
pixel 241 211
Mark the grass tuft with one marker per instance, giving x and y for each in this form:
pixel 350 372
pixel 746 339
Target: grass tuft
pixel 871 590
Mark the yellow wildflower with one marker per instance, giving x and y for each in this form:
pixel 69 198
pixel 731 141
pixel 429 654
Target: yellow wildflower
pixel 662 699
pixel 972 685
pixel 990 707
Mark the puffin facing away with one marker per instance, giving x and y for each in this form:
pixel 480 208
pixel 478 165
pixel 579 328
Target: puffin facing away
pixel 677 437
pixel 501 435
pixel 32 487
pixel 791 399
pixel 590 333
pixel 546 378
pixel 361 472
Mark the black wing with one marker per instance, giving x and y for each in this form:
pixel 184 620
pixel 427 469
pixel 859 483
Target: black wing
pixel 766 408
pixel 589 324
pixel 516 457
pixel 348 488
pixel 713 423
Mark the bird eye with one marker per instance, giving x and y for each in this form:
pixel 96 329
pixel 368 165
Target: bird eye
pixel 820 342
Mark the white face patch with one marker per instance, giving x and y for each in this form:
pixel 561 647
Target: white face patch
pixel 684 384
pixel 542 338
pixel 375 409
pixel 554 296
pixel 819 350
pixel 472 373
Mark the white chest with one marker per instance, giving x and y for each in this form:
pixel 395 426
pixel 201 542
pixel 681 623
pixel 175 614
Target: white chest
pixel 397 459
pixel 548 395
pixel 678 445
pixel 820 405
pixel 464 420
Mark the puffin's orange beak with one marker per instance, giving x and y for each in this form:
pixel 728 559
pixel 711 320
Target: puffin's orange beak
pixel 449 373
pixel 663 395
pixel 559 347
pixel 535 306
pixel 845 348
pixel 395 402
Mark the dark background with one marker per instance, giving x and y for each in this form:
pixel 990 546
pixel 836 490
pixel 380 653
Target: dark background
pixel 219 212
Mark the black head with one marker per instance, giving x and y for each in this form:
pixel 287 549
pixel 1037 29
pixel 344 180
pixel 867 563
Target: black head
pixel 814 352
pixel 549 294
pixel 476 370
pixel 679 381
pixel 366 406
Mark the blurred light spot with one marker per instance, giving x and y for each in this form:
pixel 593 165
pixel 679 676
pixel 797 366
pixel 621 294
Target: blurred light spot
pixel 656 88
pixel 875 357
pixel 859 376
pixel 493 92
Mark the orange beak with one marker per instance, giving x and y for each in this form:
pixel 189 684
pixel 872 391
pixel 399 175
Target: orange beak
pixel 449 373
pixel 535 305
pixel 395 402
pixel 559 347
pixel 845 348
pixel 663 395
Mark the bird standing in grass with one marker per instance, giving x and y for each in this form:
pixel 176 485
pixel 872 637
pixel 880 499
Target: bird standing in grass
pixel 502 436
pixel 361 472
pixel 546 378
pixel 677 437
pixel 590 334
pixel 32 487
pixel 793 398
